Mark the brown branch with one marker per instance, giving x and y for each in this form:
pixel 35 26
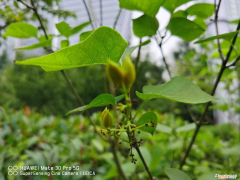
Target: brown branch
pixel 89 15
pixel 234 63
pixel 138 55
pixel 29 7
pixel 117 18
pixel 216 9
pixel 223 67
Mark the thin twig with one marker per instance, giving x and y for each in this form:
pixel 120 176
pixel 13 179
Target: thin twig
pixel 138 55
pixel 216 9
pixel 29 7
pixel 117 18
pixel 234 63
pixel 223 67
pixel 89 15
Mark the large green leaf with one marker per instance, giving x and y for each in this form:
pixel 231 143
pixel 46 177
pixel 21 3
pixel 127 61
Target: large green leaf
pixel 185 29
pixel 104 44
pixel 178 89
pixel 145 25
pixel 47 43
pixel 146 118
pixel 226 36
pixel 150 7
pixel 202 10
pixel 171 5
pixel 101 100
pixel 21 30
pixel 176 174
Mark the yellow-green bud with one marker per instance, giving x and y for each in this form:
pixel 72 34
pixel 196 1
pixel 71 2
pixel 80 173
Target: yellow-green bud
pixel 130 72
pixel 107 118
pixel 115 73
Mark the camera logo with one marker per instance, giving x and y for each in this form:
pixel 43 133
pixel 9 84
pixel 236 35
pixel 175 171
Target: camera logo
pixel 12 170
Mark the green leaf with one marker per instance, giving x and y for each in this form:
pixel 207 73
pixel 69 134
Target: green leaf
pixel 64 43
pixel 47 43
pixel 179 13
pixel 146 118
pixel 235 21
pixel 226 36
pixel 63 28
pixel 223 107
pixel 101 100
pixel 21 30
pixel 185 29
pixel 178 89
pixel 85 35
pixel 145 25
pixel 78 28
pixel 171 5
pixel 201 23
pixel 129 51
pixel 150 7
pixel 104 44
pixel 231 151
pixel 175 174
pixel 201 10
pixel 186 128
pixel 164 128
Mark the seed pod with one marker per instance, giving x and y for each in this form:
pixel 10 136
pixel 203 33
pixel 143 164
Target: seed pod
pixel 107 118
pixel 130 72
pixel 115 73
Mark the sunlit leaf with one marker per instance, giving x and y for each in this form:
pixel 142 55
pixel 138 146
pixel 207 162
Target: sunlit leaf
pixel 226 36
pixel 78 28
pixel 163 128
pixel 150 7
pixel 178 89
pixel 104 44
pixel 47 43
pixel 179 13
pixel 63 28
pixel 176 174
pixel 145 26
pixel 171 5
pixel 185 29
pixel 64 43
pixel 85 35
pixel 202 10
pixel 101 100
pixel 146 118
pixel 21 30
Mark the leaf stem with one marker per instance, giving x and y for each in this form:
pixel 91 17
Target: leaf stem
pixel 138 110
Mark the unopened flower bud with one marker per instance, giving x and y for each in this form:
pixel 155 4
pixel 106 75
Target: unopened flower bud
pixel 115 73
pixel 130 72
pixel 107 118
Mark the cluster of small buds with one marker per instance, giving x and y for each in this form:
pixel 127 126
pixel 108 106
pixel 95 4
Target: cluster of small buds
pixel 150 124
pixel 135 144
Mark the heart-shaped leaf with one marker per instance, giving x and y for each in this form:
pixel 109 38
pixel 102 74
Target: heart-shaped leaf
pixel 85 35
pixel 21 30
pixel 185 29
pixel 104 43
pixel 175 174
pixel 178 89
pixel 101 100
pixel 146 118
pixel 150 7
pixel 145 25
pixel 226 36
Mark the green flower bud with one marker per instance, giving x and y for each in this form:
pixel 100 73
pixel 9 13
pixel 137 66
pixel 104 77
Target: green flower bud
pixel 107 118
pixel 130 72
pixel 115 73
